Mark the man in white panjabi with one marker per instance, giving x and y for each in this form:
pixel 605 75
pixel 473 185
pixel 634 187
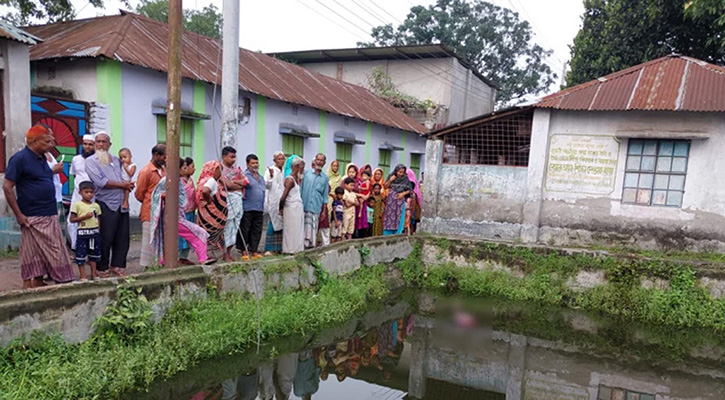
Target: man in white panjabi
pixel 290 206
pixel 274 181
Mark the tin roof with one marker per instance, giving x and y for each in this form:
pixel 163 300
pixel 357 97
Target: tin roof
pixel 11 32
pixel 138 40
pixel 671 83
pixel 403 53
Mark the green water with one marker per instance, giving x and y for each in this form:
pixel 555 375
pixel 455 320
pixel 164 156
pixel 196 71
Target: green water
pixel 449 348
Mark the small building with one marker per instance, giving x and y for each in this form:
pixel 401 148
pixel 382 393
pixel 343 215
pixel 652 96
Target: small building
pixel 633 158
pixel 112 72
pixel 427 72
pixel 14 112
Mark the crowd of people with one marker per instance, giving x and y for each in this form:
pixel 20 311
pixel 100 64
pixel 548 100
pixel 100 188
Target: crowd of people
pixel 377 351
pixel 296 207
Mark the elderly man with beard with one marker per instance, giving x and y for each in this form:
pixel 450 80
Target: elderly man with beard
pixel 104 170
pixel 42 250
pixel 78 170
pixel 315 189
pixel 251 230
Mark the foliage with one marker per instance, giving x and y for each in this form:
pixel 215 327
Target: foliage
pixel 25 12
pixel 364 252
pixel 193 330
pixel 382 85
pixel 127 317
pixel 207 21
pixel 492 39
pixel 706 10
pixel 617 34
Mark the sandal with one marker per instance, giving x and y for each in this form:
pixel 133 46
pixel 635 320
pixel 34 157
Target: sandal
pixel 103 274
pixel 210 261
pixel 117 272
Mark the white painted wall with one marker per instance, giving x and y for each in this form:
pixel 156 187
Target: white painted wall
pixel 705 165
pixel 77 75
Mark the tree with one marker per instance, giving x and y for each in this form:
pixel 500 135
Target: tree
pixel 617 34
pixel 207 21
pixel 706 10
pixel 492 39
pixel 25 12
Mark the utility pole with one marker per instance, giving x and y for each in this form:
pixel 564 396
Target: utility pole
pixel 173 123
pixel 230 72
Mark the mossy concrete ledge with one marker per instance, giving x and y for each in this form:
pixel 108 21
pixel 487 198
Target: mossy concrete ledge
pixel 71 309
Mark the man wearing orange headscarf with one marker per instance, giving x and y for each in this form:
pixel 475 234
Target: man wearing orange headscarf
pixel 42 250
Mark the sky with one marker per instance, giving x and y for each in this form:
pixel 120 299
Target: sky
pixel 287 25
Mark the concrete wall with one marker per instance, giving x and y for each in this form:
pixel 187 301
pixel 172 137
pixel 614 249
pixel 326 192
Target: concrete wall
pixel 71 309
pixel 77 75
pixel 443 80
pixel 579 209
pixel 15 66
pixel 571 191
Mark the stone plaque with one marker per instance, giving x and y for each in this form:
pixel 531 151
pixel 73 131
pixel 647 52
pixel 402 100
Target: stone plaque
pixel 582 164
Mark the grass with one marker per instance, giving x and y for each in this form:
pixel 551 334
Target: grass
pixel 108 364
pixel 545 275
pixel 9 254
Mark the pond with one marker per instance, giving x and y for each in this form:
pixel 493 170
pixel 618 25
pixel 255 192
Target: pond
pixel 453 348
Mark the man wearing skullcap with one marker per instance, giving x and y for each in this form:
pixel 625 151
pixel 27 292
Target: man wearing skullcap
pixel 78 170
pixel 41 243
pixel 104 170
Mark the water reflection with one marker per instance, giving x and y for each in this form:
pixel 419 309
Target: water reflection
pixel 459 350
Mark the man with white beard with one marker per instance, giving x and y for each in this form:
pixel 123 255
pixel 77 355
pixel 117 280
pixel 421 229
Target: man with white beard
pixel 104 170
pixel 315 190
pixel 78 170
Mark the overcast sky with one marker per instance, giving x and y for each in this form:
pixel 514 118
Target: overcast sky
pixel 285 25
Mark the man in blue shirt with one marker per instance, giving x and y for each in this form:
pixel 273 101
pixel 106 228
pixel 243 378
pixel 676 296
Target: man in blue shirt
pixel 253 218
pixel 315 189
pixel 42 250
pixel 104 170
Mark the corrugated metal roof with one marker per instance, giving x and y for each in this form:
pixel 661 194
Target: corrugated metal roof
pixel 138 40
pixel 11 32
pixel 671 83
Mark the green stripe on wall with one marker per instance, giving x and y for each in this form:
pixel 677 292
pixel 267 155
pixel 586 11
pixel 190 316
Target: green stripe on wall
pixel 402 144
pixel 261 130
pixel 323 128
pixel 368 141
pixel 108 80
pixel 199 131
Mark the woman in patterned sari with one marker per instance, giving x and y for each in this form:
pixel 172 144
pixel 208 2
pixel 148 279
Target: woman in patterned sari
pixel 211 199
pixel 399 188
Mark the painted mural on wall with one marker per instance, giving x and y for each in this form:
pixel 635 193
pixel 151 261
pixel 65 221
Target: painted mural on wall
pixel 582 164
pixel 68 120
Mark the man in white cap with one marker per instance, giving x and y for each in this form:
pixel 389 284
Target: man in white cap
pixel 78 170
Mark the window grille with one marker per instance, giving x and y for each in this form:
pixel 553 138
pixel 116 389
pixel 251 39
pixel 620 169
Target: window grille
pixel 655 172
pixel 343 154
pixel 503 141
pixel 384 160
pixel 292 144
pixel 186 135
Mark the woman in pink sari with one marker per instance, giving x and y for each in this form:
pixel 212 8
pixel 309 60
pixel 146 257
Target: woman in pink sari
pixel 186 170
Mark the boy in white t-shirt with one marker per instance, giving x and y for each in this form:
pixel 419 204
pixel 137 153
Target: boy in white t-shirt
pixel 86 214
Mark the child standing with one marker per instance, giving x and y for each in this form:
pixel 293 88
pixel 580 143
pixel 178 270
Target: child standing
pixel 128 170
pixel 86 214
pixel 337 210
pixel 348 215
pixel 379 210
pixel 368 232
pixel 186 171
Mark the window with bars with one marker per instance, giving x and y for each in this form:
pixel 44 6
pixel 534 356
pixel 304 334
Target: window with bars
pixel 186 135
pixel 655 172
pixel 343 154
pixel 610 393
pixel 415 164
pixel 384 160
pixel 293 145
pixel 500 140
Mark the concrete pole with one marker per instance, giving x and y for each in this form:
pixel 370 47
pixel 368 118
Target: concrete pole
pixel 173 123
pixel 230 72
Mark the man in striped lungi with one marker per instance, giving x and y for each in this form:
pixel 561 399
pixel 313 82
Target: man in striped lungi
pixel 42 250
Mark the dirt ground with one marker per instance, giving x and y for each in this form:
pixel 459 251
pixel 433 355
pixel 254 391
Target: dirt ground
pixel 10 267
